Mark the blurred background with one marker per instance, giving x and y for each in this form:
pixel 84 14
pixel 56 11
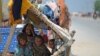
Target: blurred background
pixel 85 16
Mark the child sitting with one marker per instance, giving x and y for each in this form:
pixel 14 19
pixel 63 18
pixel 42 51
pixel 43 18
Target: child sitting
pixel 28 29
pixel 51 46
pixel 39 49
pixel 22 48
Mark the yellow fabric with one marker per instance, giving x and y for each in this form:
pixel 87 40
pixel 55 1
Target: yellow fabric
pixel 11 19
pixel 25 6
pixel 10 3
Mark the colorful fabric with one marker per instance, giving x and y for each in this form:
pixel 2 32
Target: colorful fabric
pixel 48 12
pixel 51 10
pixel 17 8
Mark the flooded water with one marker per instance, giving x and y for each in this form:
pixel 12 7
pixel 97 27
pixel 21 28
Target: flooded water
pixel 87 36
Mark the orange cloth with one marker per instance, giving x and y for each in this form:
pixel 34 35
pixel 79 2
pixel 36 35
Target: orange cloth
pixel 64 20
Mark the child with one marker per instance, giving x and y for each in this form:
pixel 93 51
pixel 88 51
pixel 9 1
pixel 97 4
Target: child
pixel 30 33
pixel 22 48
pixel 39 49
pixel 51 46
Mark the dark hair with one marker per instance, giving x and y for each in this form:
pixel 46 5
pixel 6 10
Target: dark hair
pixel 24 29
pixel 21 36
pixel 52 40
pixel 40 37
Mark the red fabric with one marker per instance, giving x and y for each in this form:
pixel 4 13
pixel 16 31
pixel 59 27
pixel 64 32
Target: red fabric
pixel 45 38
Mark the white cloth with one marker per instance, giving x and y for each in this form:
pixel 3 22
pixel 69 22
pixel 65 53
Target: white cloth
pixel 50 35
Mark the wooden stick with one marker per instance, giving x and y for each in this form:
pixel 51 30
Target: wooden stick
pixel 12 30
pixel 35 14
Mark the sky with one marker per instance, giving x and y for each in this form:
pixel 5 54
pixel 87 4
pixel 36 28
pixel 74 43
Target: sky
pixel 80 5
